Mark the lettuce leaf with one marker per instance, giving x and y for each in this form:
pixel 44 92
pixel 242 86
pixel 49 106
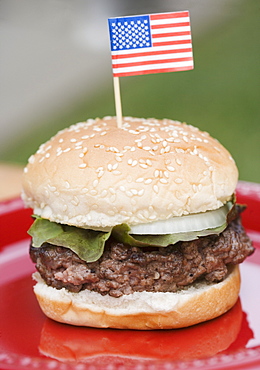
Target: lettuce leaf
pixel 121 233
pixel 89 244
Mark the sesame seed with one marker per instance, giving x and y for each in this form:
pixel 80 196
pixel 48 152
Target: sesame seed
pixel 112 198
pixel 170 168
pixel 179 150
pixel 31 159
pixel 141 192
pixel 75 201
pixel 140 179
pixel 178 180
pixel 156 189
pixel 156 173
pixel 170 206
pixel 148 181
pixel 114 167
pixel 122 188
pixel 133 202
pixel 163 181
pixel 82 165
pixel 143 165
pixel 112 190
pixel 178 161
pixel 104 193
pixel 95 183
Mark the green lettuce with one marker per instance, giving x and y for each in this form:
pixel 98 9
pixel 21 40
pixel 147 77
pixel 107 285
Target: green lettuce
pixel 121 233
pixel 89 244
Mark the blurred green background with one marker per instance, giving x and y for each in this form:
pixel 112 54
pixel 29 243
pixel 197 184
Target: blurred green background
pixel 221 95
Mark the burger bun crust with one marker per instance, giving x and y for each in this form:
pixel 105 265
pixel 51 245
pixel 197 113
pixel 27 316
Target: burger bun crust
pixel 96 175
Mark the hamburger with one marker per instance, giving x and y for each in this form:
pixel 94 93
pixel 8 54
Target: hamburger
pixel 134 227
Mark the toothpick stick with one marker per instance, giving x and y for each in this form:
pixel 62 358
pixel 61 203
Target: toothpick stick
pixel 118 102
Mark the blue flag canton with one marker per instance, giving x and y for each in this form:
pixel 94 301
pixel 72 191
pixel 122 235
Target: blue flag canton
pixel 128 33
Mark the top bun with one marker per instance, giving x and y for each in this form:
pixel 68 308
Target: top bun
pixel 96 175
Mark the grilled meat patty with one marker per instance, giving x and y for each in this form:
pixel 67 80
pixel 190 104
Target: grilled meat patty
pixel 123 269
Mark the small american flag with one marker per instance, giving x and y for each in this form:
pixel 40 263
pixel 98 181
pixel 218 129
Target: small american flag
pixel 152 43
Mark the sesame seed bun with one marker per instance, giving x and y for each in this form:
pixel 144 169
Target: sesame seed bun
pixel 95 175
pixel 141 310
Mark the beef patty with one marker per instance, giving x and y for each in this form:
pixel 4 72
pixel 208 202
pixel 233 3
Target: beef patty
pixel 123 269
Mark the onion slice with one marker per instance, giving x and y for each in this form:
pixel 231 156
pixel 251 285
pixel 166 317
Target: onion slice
pixel 193 222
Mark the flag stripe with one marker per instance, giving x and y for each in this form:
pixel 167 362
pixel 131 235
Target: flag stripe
pixel 117 63
pixel 162 31
pixel 169 15
pixel 155 50
pixel 148 62
pixel 159 65
pixel 144 54
pixel 160 26
pixel 174 38
pixel 171 22
pixel 177 42
pixel 169 34
pixel 155 70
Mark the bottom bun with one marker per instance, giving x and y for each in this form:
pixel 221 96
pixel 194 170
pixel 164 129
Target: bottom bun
pixel 140 310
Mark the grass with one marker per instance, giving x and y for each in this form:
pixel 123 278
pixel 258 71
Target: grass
pixel 221 95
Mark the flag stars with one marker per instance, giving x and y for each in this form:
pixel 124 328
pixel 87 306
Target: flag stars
pixel 131 33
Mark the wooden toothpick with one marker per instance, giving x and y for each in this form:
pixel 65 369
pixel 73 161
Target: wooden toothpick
pixel 118 102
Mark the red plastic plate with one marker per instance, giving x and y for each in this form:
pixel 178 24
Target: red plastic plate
pixel 28 340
